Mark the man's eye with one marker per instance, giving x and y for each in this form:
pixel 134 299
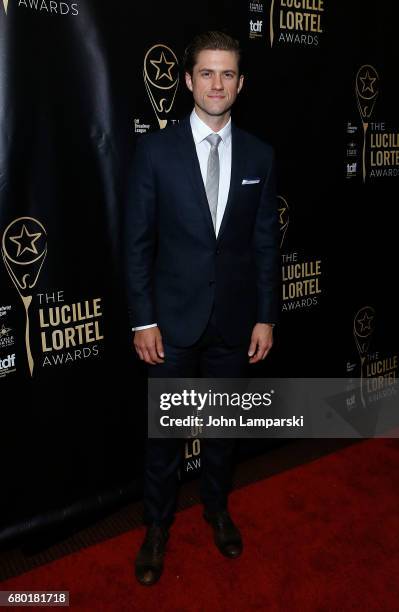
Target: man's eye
pixel 206 74
pixel 228 75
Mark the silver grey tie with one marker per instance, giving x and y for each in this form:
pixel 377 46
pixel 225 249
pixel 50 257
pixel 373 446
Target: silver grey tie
pixel 212 175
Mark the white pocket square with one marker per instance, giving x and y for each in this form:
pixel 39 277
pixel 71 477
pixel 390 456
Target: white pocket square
pixel 250 181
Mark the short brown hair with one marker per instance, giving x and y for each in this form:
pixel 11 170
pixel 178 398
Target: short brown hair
pixel 213 40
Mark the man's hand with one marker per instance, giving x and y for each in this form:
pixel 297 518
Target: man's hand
pixel 148 345
pixel 261 342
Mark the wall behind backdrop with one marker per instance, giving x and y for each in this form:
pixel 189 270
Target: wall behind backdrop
pixel 79 83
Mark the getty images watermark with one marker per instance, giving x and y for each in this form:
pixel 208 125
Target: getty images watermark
pixel 277 408
pixel 190 398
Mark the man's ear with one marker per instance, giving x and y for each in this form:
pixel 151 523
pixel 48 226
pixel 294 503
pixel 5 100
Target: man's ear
pixel 240 83
pixel 189 81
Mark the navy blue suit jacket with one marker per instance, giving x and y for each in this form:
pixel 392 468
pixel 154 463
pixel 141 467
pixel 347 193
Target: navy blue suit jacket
pixel 176 267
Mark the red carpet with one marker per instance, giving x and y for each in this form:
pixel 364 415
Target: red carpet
pixel 321 537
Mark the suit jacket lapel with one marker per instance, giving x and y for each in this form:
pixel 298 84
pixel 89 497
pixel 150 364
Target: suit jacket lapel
pixel 193 170
pixel 237 161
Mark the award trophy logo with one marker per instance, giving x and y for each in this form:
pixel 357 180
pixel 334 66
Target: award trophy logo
pixel 284 217
pixel 5 4
pixel 367 81
pixel 24 249
pixel 363 327
pixel 161 79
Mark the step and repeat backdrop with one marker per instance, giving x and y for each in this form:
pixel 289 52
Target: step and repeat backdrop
pixel 80 83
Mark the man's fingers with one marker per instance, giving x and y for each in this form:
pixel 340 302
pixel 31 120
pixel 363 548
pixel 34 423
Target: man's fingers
pixel 256 354
pixel 144 353
pixel 147 357
pixel 148 354
pixel 154 355
pixel 266 349
pixel 137 348
pixel 148 345
pixel 261 352
pixel 252 348
pixel 139 353
pixel 266 352
pixel 159 346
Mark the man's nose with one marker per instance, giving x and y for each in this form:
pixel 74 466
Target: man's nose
pixel 217 82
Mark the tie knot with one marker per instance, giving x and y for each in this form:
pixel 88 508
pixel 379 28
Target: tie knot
pixel 214 140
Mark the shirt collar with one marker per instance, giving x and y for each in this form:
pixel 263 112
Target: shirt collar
pixel 201 130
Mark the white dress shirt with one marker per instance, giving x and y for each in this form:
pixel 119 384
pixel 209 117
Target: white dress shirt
pixel 200 132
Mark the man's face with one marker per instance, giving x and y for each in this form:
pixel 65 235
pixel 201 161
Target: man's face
pixel 215 83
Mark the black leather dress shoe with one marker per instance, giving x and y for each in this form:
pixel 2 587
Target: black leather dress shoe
pixel 149 560
pixel 226 535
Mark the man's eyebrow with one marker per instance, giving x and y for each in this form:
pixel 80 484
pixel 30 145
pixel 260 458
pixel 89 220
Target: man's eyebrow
pixel 212 70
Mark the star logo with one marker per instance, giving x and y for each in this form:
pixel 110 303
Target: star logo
pixel 368 83
pixel 4 331
pixel 282 211
pixel 164 71
pixel 26 241
pixel 365 322
pixel 283 217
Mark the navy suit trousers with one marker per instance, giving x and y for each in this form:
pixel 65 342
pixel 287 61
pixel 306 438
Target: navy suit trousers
pixel 209 357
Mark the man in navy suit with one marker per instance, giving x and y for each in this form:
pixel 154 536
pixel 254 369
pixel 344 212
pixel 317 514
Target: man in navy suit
pixel 203 274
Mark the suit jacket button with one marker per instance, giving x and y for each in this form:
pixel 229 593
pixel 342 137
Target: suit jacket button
pixel 217 251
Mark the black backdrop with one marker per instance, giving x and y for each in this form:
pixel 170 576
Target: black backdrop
pixel 73 101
